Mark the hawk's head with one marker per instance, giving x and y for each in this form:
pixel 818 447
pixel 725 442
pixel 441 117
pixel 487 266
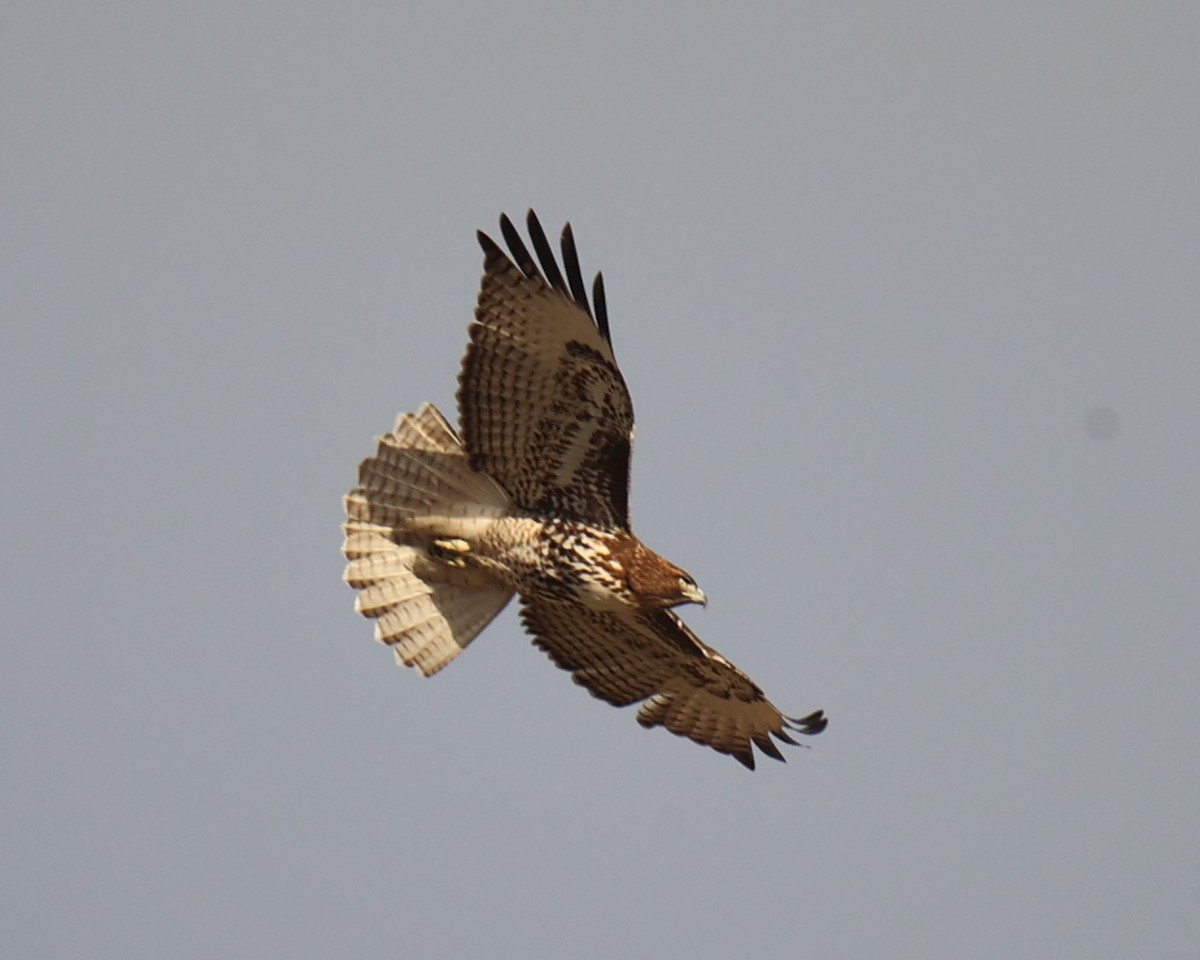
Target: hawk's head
pixel 690 592
pixel 655 582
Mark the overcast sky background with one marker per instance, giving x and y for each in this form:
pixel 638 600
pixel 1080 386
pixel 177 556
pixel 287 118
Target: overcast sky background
pixel 908 298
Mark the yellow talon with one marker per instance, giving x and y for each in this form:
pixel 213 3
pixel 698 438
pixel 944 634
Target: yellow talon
pixel 451 551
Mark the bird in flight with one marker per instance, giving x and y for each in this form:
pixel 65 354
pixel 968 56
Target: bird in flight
pixel 531 497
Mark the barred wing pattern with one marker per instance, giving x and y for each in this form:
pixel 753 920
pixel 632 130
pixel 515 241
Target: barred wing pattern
pixel 629 656
pixel 543 407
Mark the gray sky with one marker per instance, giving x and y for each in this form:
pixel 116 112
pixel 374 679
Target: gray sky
pixel 907 297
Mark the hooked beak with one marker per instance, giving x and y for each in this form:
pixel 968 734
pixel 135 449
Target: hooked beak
pixel 693 594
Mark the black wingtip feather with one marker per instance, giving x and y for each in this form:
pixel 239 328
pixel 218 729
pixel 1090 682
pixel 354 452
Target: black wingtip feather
pixel 574 274
pixel 811 725
pixel 516 246
pixel 601 308
pixel 545 254
pixel 490 248
pixel 764 743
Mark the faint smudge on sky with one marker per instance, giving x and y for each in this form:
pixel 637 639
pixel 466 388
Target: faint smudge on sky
pixel 1102 423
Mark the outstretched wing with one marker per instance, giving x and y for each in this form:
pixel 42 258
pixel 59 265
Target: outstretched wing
pixel 626 657
pixel 543 407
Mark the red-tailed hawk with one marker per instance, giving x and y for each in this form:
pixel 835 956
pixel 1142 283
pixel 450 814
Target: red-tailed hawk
pixel 532 498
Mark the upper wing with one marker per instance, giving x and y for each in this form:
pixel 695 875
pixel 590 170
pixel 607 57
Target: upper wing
pixel 543 407
pixel 626 657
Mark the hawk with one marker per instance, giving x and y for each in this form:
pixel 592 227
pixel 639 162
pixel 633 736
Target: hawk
pixel 531 498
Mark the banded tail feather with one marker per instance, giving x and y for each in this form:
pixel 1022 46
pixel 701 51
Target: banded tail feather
pixel 420 479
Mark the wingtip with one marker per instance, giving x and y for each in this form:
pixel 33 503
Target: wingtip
pixel 490 248
pixel 532 222
pixel 572 285
pixel 811 725
pixel 489 245
pixel 767 745
pixel 746 759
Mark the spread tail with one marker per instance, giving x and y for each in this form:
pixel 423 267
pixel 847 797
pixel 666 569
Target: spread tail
pixel 427 606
